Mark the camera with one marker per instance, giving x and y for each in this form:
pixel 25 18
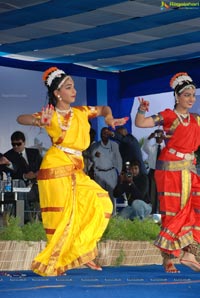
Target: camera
pixel 158 134
pixel 127 169
pixel 128 174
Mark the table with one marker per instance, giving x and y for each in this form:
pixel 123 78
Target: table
pixel 7 198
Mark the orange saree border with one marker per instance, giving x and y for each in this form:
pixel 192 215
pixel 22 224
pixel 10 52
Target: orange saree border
pixel 43 269
pixel 52 209
pixel 54 173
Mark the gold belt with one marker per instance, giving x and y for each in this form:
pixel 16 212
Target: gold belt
pixel 69 150
pixel 186 156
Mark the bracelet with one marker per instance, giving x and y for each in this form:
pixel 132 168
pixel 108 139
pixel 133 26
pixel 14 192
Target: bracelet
pixel 33 121
pixel 36 122
pixel 141 112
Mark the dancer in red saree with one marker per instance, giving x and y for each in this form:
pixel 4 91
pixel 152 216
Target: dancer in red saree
pixel 178 184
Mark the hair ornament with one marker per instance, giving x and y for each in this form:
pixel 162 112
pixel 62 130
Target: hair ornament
pixel 47 72
pixel 179 79
pixel 50 74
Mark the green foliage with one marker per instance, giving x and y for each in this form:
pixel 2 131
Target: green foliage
pixel 29 232
pixel 118 229
pixel 127 230
pixel 34 231
pixel 119 260
pixel 141 142
pixel 12 231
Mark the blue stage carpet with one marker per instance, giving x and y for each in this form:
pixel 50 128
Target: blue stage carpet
pixel 113 282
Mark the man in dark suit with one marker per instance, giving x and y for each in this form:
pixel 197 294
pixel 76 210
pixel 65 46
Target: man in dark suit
pixel 24 165
pixel 24 162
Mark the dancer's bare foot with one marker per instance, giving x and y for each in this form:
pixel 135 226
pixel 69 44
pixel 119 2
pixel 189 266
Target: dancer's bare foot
pixel 93 266
pixel 169 266
pixel 189 260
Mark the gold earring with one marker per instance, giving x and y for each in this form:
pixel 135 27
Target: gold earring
pixel 59 97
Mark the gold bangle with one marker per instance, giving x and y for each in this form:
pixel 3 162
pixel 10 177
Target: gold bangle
pixel 36 122
pixel 33 121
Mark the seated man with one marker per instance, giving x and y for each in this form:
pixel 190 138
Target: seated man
pixel 135 187
pixel 24 164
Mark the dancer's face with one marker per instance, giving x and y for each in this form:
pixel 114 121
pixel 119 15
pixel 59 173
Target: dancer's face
pixel 67 91
pixel 187 98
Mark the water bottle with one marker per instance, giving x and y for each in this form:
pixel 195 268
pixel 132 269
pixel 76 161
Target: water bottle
pixel 8 185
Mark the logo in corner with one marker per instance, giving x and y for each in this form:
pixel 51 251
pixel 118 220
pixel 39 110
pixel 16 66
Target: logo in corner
pixel 164 5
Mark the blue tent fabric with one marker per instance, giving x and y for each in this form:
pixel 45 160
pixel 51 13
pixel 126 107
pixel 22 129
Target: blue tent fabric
pixel 109 35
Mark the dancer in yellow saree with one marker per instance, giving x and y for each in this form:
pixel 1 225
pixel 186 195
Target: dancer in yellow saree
pixel 75 209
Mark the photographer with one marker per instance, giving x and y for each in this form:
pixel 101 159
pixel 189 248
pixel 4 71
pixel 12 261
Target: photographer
pixel 135 187
pixel 152 147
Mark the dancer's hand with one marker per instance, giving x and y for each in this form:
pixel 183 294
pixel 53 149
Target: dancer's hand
pixel 116 122
pixel 144 104
pixel 46 116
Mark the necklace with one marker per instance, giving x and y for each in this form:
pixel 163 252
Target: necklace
pixel 183 116
pixel 63 111
pixel 66 122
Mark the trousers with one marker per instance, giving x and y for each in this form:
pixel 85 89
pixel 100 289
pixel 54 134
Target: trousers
pixel 138 209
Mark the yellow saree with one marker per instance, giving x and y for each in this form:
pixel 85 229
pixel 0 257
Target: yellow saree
pixel 75 210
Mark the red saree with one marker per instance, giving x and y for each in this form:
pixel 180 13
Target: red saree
pixel 178 185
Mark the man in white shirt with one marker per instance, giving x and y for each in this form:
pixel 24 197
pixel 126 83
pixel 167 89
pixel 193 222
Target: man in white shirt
pixel 107 163
pixel 152 149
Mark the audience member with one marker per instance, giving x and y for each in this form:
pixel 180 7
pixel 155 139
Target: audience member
pixel 135 186
pixel 87 155
pixel 107 163
pixel 24 165
pixel 129 146
pixel 153 149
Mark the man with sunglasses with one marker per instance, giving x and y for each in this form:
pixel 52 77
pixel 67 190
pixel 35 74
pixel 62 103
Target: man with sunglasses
pixel 24 165
pixel 25 162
